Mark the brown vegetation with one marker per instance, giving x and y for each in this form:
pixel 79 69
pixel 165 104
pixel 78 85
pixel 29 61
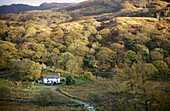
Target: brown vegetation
pixel 18 106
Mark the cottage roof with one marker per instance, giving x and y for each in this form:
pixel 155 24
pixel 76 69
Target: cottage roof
pixel 51 76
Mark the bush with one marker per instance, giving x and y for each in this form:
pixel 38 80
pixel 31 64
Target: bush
pixel 70 80
pixel 63 79
pixel 87 76
pixel 99 37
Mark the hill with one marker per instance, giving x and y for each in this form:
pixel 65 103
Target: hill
pixel 16 8
pixel 113 7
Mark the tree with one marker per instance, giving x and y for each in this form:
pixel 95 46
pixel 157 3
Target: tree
pixel 64 58
pixel 3 30
pixel 105 33
pixel 61 47
pixel 96 45
pixel 90 61
pixel 78 49
pixel 87 76
pixel 60 33
pixel 53 60
pixel 71 37
pixel 139 48
pixel 26 70
pixel 106 57
pixel 8 52
pixel 162 67
pixel 72 66
pixel 86 33
pixel 55 51
pixel 31 31
pixel 14 34
pixel 131 57
pixel 92 29
pixel 99 37
pixel 159 42
pixel 36 56
pixel 70 80
pixel 116 47
pixel 155 55
pixel 136 82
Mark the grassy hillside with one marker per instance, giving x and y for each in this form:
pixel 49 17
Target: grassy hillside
pixel 6 106
pixel 119 7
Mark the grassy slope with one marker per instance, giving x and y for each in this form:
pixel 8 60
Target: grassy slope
pixel 82 91
pixel 25 91
pixel 17 106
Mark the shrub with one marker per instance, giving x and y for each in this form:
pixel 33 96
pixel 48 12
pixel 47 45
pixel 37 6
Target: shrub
pixel 70 80
pixel 87 76
pixel 99 37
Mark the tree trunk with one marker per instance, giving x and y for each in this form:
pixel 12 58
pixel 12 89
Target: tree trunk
pixel 133 97
pixel 146 105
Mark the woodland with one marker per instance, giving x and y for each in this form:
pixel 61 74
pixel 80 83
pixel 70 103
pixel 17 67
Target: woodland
pixel 113 54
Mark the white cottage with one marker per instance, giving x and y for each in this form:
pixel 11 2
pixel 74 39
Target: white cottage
pixel 51 79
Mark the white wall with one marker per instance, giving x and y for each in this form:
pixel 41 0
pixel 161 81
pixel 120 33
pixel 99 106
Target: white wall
pixel 51 80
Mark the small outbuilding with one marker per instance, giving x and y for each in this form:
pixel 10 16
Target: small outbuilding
pixel 52 79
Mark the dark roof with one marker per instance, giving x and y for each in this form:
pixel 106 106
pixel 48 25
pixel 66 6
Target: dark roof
pixel 52 76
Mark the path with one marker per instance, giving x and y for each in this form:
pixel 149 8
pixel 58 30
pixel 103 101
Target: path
pixel 87 105
pixel 82 103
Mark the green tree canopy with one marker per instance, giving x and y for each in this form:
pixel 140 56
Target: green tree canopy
pixel 116 47
pixel 71 37
pixel 87 76
pixel 78 49
pixel 106 57
pixel 162 67
pixel 91 29
pixel 15 33
pixel 26 69
pixel 64 58
pixel 155 55
pixel 70 80
pixel 130 55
